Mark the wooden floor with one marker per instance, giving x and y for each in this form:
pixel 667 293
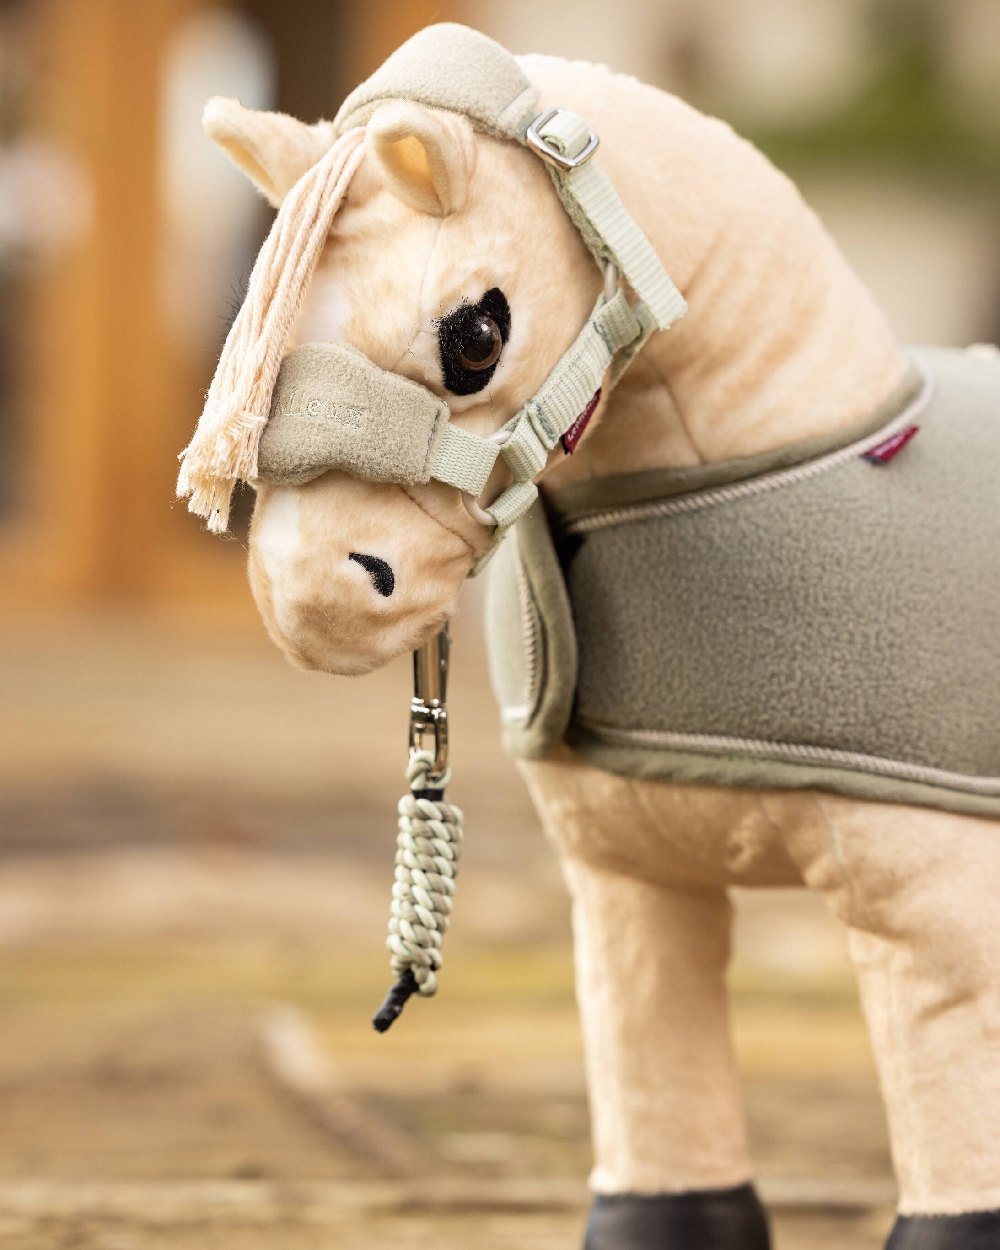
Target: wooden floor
pixel 196 847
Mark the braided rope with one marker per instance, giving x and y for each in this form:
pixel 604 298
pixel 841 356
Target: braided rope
pixel 427 851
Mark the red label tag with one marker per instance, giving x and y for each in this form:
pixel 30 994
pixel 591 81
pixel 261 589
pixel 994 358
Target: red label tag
pixel 884 452
pixel 575 431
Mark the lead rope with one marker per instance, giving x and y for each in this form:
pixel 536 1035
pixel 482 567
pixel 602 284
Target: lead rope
pixel 428 843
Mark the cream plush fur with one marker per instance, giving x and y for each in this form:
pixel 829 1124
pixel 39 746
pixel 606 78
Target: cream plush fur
pixel 781 342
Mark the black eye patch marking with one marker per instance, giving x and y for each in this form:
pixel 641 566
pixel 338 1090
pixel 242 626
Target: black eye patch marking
pixel 470 340
pixel 383 578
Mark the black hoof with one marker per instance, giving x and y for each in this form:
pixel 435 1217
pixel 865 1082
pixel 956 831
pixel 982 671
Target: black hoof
pixel 978 1230
pixel 706 1219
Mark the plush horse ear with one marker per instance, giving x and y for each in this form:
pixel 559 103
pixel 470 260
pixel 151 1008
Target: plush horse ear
pixel 428 158
pixel 272 149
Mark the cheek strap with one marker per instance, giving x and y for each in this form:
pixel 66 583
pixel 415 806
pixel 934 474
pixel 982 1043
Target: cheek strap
pixel 613 333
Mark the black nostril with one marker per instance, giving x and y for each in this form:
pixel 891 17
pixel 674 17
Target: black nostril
pixel 383 578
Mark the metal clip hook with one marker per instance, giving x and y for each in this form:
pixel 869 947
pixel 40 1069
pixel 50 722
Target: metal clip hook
pixel 428 713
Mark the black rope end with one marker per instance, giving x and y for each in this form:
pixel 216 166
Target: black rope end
pixel 395 1001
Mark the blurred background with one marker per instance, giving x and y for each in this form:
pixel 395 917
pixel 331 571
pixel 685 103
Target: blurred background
pixel 196 840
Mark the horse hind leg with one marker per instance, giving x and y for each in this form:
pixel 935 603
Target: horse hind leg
pixel 919 890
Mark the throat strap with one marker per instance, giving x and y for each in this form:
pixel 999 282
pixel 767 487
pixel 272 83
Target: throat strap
pixel 566 143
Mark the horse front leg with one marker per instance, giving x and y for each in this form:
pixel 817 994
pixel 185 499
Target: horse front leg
pixel 647 868
pixel 672 1171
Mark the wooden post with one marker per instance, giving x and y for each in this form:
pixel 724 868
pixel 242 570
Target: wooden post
pixel 110 399
pixel 104 388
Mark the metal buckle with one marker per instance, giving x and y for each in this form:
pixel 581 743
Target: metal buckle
pixel 538 144
pixel 428 713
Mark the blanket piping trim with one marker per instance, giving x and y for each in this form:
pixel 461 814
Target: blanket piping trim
pixel 697 501
pixel 803 753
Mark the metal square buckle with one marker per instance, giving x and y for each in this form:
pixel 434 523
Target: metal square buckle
pixel 541 147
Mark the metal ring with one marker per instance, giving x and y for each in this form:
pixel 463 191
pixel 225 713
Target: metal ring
pixel 477 513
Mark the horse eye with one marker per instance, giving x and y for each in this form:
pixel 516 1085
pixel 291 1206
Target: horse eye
pixel 471 339
pixel 480 345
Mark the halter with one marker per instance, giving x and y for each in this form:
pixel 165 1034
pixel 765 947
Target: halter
pixel 333 408
pixel 327 406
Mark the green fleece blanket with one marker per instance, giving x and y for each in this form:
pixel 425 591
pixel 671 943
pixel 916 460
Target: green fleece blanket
pixel 825 617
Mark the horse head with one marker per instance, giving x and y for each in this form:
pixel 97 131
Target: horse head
pixel 452 264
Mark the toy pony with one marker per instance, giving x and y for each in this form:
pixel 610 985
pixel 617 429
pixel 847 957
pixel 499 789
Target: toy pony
pixel 749 634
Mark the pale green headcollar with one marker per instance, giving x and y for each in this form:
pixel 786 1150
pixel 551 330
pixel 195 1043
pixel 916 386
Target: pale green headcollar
pixel 410 438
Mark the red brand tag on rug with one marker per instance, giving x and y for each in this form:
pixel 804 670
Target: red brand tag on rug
pixel 575 431
pixel 884 452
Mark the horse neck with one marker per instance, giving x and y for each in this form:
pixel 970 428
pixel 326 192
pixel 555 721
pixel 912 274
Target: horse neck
pixel 781 341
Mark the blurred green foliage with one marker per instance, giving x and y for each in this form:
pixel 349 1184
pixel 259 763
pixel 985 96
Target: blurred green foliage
pixel 908 117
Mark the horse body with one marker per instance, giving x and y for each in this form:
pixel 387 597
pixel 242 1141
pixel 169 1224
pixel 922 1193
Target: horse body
pixel 782 342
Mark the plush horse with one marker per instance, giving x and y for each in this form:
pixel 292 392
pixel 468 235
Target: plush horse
pixel 750 633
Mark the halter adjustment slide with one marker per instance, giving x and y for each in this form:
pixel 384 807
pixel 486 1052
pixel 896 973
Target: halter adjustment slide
pixel 554 135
